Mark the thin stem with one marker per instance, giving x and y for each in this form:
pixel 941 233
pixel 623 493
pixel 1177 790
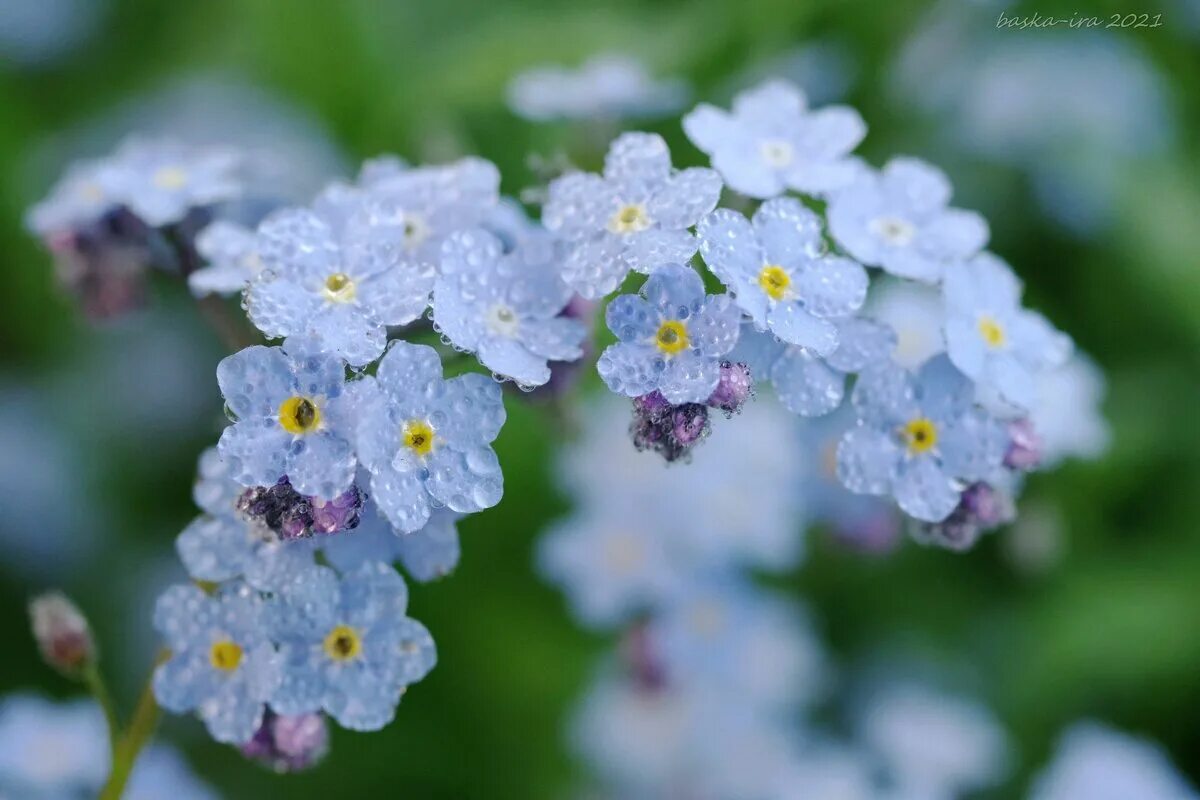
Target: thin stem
pixel 137 734
pixel 99 690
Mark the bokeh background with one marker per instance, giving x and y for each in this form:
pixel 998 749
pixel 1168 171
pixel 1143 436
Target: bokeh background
pixel 1080 147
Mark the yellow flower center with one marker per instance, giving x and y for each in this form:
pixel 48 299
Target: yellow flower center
pixel 629 218
pixel 225 655
pixel 170 178
pixel 775 281
pixel 299 415
pixel 417 435
pixel 343 643
pixel 920 435
pixel 991 331
pixel 776 152
pixel 339 288
pixel 672 337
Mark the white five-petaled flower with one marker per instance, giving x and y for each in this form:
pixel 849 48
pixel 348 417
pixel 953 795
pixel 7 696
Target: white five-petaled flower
pixel 771 141
pixel 899 219
pixel 634 217
pixel 777 268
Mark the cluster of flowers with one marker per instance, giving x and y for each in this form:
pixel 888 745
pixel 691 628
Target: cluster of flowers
pixel 347 453
pixel 720 688
pixel 350 450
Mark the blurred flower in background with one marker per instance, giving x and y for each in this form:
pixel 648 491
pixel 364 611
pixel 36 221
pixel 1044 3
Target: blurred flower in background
pixel 1076 110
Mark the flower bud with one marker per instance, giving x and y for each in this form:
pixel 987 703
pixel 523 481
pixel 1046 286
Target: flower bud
pixel 1024 448
pixel 289 743
pixel 735 387
pixel 62 633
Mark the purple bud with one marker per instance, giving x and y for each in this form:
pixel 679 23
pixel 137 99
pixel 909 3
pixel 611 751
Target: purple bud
pixel 339 514
pixel 1024 448
pixel 689 424
pixel 980 508
pixel 63 635
pixel 638 652
pixel 289 743
pixel 671 431
pixel 735 387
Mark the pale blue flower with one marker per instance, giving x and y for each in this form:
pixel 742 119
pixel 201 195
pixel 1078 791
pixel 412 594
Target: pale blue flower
pixel 229 250
pixel 610 566
pixel 426 441
pixel 1095 762
pixel 719 633
pixel 225 547
pixel 162 772
pixel 915 312
pixel 1067 414
pixel 51 750
pixel 991 338
pixel 672 338
pixel 505 307
pixel 422 206
pixel 805 383
pixel 606 86
pixel 161 180
pixel 899 219
pixel 339 272
pixel 222 663
pixel 772 141
pixel 919 438
pixel 961 749
pixel 427 554
pixel 84 194
pixel 293 418
pixel 214 490
pixel 346 646
pixel 868 523
pixel 635 217
pixel 778 269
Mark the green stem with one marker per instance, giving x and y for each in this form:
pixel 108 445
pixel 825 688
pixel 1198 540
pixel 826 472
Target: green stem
pixel 137 734
pixel 99 690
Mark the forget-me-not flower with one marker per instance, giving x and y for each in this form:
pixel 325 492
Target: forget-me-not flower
pixel 346 646
pixel 232 259
pixel 337 273
pixel 80 197
pixel 606 86
pixel 807 384
pixel 1093 761
pixel 427 554
pixel 991 338
pixel 899 219
pixel 777 268
pixel 919 438
pixel 636 216
pixel 162 180
pixel 426 441
pixel 771 142
pixel 221 548
pixel 422 206
pixel 505 307
pixel 672 338
pixel 294 418
pixel 222 663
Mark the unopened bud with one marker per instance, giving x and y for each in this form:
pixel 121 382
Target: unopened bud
pixel 62 632
pixel 289 743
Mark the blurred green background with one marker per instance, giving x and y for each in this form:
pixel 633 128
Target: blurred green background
pixel 113 422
